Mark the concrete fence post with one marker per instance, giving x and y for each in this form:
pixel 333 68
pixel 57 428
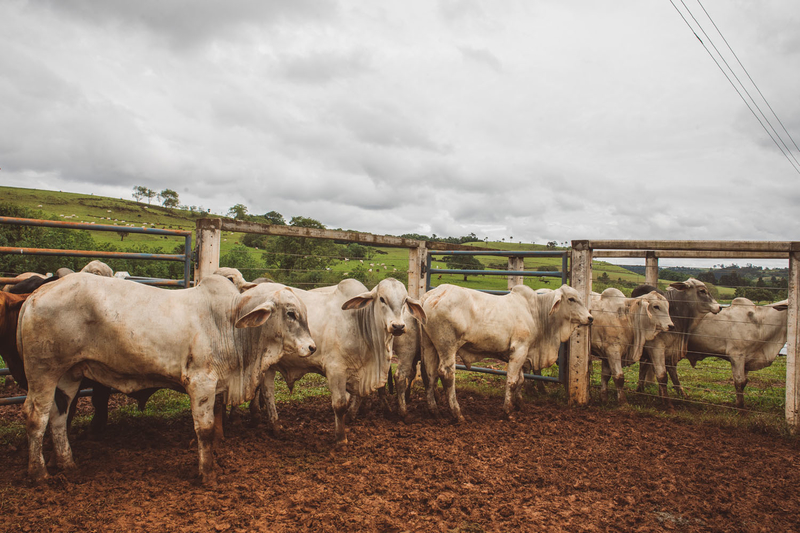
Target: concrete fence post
pixel 578 365
pixel 209 231
pixel 517 264
pixel 417 258
pixel 792 344
pixel 651 269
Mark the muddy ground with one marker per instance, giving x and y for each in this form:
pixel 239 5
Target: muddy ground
pixel 553 469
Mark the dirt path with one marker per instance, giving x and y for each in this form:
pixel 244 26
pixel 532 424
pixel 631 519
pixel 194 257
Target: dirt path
pixel 554 469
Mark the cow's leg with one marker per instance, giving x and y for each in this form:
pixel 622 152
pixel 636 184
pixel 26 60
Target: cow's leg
pixel 220 411
pixel 605 375
pixel 672 371
pixel 615 369
pixel 37 408
pixel 739 378
pixel 267 399
pixel 255 405
pixel 402 385
pixel 447 372
pixel 100 397
pixel 518 400
pixel 202 397
pixel 354 406
pixel 62 453
pixel 337 383
pixel 660 370
pixel 645 369
pixel 430 360
pixel 513 376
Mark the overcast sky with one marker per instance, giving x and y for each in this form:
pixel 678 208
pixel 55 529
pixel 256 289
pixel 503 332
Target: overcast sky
pixel 542 120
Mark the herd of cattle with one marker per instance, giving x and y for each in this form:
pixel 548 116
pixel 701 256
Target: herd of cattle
pixel 222 342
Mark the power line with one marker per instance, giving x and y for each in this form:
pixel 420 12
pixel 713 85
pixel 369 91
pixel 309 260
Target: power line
pixel 784 150
pixel 788 150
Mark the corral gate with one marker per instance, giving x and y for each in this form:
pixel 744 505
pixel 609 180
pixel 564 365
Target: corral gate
pixel 185 257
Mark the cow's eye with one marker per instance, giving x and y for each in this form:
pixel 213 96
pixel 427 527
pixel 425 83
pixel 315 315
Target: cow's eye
pixel 382 300
pixel 292 315
pixel 572 300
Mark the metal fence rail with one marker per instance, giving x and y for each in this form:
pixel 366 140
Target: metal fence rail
pixel 186 257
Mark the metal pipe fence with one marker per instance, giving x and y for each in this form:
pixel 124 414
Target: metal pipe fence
pixel 186 258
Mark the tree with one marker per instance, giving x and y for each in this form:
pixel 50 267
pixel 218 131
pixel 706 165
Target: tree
pixel 273 217
pixel 552 244
pixel 707 277
pixel 122 235
pixel 169 198
pixel 463 262
pixel 139 192
pixel 302 261
pixel 150 194
pixel 239 212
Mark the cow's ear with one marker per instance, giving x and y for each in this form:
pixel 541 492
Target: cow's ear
pixel 646 305
pixel 556 303
pixel 780 307
pixel 679 285
pixel 360 301
pixel 416 310
pixel 257 316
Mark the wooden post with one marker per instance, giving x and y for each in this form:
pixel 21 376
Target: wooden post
pixel 515 263
pixel 651 269
pixel 209 231
pixel 580 342
pixel 792 341
pixel 417 258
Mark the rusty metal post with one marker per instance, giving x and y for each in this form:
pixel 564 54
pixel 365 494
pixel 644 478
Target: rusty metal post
pixel 578 364
pixel 792 341
pixel 209 231
pixel 515 264
pixel 651 269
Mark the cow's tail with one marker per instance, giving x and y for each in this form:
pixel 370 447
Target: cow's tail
pixel 390 381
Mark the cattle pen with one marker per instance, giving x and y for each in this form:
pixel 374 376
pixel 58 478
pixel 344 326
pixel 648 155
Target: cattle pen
pixel 554 468
pixel 576 269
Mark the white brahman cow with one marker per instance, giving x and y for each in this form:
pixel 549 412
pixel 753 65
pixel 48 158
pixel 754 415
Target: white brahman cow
pixel 621 327
pixel 523 326
pixel 206 340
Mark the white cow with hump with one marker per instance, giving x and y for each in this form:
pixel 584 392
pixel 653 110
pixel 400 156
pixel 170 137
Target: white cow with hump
pixel 747 335
pixel 523 326
pixel 354 329
pixel 620 329
pixel 206 340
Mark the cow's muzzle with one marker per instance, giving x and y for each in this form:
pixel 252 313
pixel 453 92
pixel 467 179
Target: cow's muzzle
pixel 398 329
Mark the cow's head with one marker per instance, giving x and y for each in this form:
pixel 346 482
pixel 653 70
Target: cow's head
pixel 388 299
pixel 651 314
pixel 287 314
pixel 695 292
pixel 569 303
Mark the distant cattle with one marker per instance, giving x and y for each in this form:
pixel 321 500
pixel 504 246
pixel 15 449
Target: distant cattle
pixel 524 326
pixel 748 336
pixel 354 330
pixel 688 301
pixel 620 329
pixel 206 340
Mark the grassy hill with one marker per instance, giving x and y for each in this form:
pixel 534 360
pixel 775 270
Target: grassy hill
pixel 379 263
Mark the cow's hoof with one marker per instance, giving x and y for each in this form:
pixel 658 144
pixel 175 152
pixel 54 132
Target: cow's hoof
pixel 407 420
pixel 38 477
pixel 341 444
